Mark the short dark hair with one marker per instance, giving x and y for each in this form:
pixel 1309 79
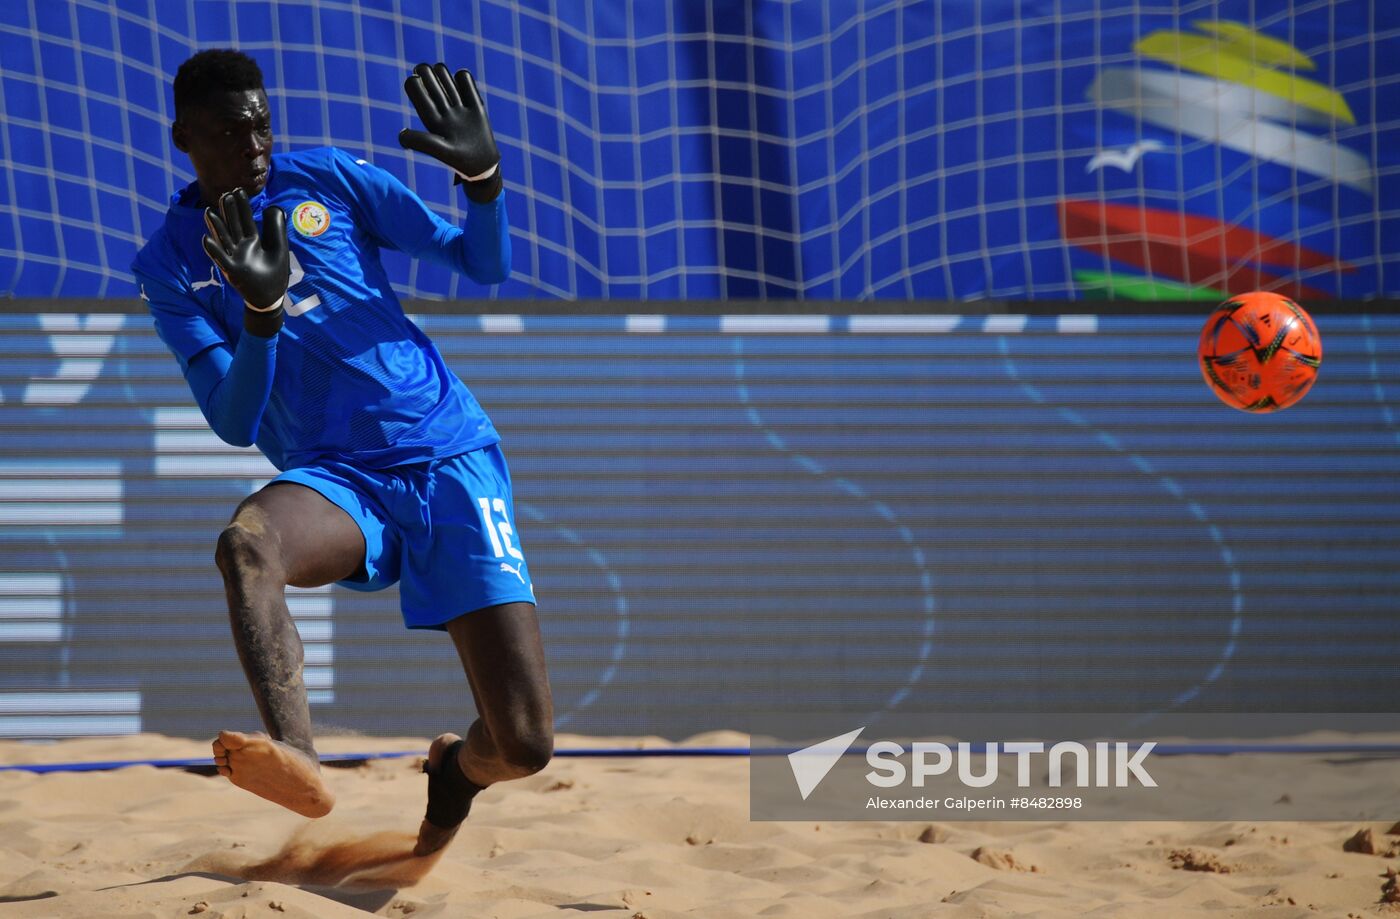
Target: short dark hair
pixel 213 72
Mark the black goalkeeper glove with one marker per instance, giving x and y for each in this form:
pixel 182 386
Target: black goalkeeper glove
pixel 257 267
pixel 459 133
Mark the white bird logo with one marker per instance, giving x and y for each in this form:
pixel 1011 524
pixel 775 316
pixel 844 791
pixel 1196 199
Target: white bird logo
pixel 1124 159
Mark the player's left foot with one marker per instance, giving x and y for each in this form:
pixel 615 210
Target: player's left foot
pixel 450 795
pixel 269 769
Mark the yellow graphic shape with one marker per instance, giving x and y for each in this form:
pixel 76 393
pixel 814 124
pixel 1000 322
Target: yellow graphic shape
pixel 1261 49
pixel 1232 55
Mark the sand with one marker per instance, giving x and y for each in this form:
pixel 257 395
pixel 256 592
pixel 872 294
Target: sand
pixel 653 838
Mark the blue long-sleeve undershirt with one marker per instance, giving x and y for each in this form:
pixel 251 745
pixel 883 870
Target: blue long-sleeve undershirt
pixel 486 259
pixel 232 389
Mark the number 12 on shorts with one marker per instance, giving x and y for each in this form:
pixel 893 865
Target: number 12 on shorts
pixel 499 530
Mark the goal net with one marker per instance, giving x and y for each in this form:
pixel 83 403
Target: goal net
pixel 1050 149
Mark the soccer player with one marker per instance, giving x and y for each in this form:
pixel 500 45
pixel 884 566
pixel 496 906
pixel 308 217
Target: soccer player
pixel 294 340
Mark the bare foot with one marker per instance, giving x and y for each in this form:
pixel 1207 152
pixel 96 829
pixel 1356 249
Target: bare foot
pixel 273 770
pixel 433 838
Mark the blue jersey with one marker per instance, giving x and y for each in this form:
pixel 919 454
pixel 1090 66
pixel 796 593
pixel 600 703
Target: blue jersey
pixel 354 381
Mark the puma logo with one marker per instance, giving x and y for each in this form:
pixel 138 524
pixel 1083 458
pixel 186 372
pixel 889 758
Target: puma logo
pixel 212 282
pixel 513 570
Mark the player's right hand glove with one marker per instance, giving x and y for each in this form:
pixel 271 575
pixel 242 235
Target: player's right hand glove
pixel 459 133
pixel 257 267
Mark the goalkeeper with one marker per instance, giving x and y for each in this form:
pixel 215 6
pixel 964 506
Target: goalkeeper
pixel 293 340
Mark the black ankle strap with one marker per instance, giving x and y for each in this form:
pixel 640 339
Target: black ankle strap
pixel 450 792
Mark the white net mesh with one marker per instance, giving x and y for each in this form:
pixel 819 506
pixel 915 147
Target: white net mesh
pixel 1010 148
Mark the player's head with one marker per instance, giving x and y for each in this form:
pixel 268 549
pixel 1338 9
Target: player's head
pixel 222 121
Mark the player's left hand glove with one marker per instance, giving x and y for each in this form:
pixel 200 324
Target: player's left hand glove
pixel 459 133
pixel 258 265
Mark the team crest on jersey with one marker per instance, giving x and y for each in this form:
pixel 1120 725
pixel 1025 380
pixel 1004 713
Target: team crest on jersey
pixel 311 218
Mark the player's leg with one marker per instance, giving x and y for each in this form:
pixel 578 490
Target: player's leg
pixel 471 558
pixel 286 534
pixel 513 735
pixel 501 651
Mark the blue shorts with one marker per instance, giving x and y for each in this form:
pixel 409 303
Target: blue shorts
pixel 445 529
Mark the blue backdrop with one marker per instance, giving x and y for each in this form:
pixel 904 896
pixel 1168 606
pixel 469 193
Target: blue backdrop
pixel 733 513
pixel 815 149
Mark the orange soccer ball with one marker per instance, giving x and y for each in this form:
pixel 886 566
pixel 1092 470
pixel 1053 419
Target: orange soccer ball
pixel 1259 352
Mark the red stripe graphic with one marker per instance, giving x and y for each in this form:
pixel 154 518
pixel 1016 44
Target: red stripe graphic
pixel 1200 251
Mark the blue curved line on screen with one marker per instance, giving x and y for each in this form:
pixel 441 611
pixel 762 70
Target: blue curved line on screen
pixel 1377 389
pixel 1202 749
pixel 1172 487
pixel 886 513
pixel 624 626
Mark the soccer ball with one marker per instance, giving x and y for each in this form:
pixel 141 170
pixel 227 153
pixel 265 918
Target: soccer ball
pixel 1259 352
